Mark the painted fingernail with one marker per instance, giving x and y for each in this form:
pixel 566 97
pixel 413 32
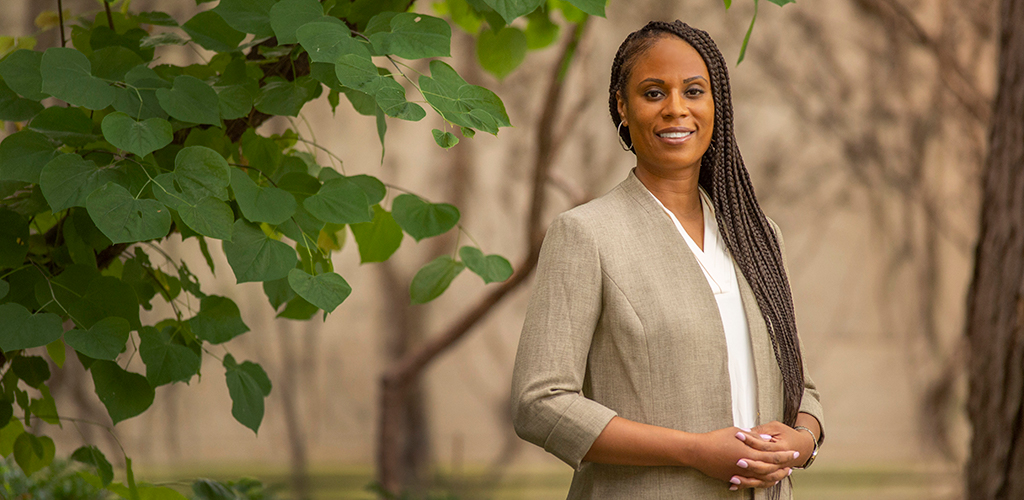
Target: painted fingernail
pixel 790 473
pixel 776 482
pixel 742 429
pixel 796 455
pixel 742 464
pixel 735 480
pixel 734 488
pixel 741 436
pixel 766 437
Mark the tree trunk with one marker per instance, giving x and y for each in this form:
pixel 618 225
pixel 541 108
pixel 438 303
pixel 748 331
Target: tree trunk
pixel 995 321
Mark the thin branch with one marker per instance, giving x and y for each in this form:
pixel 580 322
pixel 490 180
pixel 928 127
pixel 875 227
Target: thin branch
pixel 60 17
pixel 110 18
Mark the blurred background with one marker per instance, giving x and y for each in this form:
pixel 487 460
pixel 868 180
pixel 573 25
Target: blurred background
pixel 863 124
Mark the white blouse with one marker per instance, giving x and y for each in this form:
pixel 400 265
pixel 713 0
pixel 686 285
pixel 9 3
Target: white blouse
pixel 720 271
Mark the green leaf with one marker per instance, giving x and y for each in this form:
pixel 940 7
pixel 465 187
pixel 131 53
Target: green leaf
pixel 511 9
pixel 540 32
pixel 253 256
pixel 91 455
pixel 444 139
pixel 4 287
pixel 57 353
pixel 129 37
pixel 278 292
pixel 379 238
pixel 166 360
pixel 23 155
pixel 422 219
pixel 162 39
pixel 261 204
pixel 209 217
pixel 67 75
pixel 326 291
pixel 191 100
pixel 746 38
pixel 286 98
pixel 327 42
pixel 298 309
pixel 104 340
pixel 71 126
pixel 104 296
pixel 287 16
pixel 8 435
pixel 33 370
pixel 339 201
pixel 138 99
pixel 410 35
pixel 596 7
pixel 360 74
pixel 492 268
pixel 6 413
pixel 248 16
pixel 14 236
pixel 461 103
pixel 32 453
pixel 138 137
pixel 124 394
pixel 372 187
pixel 206 489
pixel 781 3
pixel 210 31
pixel 20 70
pixel 45 408
pixel 14 108
pixel 501 52
pixel 113 63
pixel 218 320
pixel 236 101
pixel 433 279
pixel 124 219
pixel 248 385
pixel 68 180
pixel 201 171
pixel 20 329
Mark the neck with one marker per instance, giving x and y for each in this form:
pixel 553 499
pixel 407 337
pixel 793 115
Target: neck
pixel 678 191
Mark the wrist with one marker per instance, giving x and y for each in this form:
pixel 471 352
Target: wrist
pixel 689 447
pixel 813 448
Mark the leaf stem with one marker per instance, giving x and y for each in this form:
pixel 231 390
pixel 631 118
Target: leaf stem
pixel 257 169
pixel 110 18
pixel 331 154
pixel 60 17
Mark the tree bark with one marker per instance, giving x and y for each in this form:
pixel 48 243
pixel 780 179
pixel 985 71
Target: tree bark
pixel 995 320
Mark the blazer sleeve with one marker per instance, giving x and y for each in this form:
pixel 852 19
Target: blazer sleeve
pixel 548 405
pixel 811 402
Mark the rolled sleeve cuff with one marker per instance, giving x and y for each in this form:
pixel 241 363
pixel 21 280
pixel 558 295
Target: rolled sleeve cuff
pixel 812 406
pixel 577 429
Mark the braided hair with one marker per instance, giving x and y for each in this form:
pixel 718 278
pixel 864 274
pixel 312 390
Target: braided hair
pixel 747 233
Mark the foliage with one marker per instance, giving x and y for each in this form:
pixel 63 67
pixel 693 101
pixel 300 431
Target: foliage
pixel 113 150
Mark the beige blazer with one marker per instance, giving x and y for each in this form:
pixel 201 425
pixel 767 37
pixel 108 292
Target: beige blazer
pixel 623 322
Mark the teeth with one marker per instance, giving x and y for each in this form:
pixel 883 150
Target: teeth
pixel 674 135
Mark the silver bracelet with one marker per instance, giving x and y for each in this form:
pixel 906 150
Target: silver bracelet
pixel 814 452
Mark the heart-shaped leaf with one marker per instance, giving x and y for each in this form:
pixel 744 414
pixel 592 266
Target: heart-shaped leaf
pixel 140 138
pixel 253 256
pixel 433 279
pixel 248 385
pixel 422 219
pixel 20 329
pixel 91 455
pixel 166 360
pixel 261 204
pixel 287 16
pixel 444 139
pixel 410 35
pixel 379 238
pixel 339 201
pixel 67 75
pixel 326 291
pixel 191 100
pixel 501 52
pixel 211 32
pixel 32 453
pixel 105 340
pixel 492 268
pixel 218 320
pixel 124 219
pixel 123 393
pixel 68 180
pixel 461 103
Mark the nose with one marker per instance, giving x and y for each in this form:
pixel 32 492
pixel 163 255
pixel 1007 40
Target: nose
pixel 675 106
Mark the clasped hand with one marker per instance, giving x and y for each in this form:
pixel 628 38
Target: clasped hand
pixel 752 458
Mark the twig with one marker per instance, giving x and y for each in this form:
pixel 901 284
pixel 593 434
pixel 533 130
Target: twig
pixel 60 17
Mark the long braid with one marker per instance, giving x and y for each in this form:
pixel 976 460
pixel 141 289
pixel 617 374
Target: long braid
pixel 746 231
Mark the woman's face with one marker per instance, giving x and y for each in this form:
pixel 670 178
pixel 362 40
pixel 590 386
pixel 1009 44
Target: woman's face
pixel 668 107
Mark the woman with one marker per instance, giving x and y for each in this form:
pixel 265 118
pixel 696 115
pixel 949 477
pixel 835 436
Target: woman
pixel 659 356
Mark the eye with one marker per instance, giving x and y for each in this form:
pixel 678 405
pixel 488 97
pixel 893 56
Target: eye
pixel 695 91
pixel 653 93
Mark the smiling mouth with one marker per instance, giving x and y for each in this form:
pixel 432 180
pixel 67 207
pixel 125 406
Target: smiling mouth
pixel 674 135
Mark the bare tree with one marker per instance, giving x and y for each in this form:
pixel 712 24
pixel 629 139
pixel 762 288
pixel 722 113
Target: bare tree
pixel 995 324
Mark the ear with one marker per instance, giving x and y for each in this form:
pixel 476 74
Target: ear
pixel 621 106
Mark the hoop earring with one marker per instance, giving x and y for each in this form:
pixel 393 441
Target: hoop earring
pixel 622 142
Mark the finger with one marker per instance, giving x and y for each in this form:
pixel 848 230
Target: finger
pixel 758 442
pixel 758 469
pixel 739 482
pixel 780 454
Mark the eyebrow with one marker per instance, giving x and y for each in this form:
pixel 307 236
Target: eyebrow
pixel 662 82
